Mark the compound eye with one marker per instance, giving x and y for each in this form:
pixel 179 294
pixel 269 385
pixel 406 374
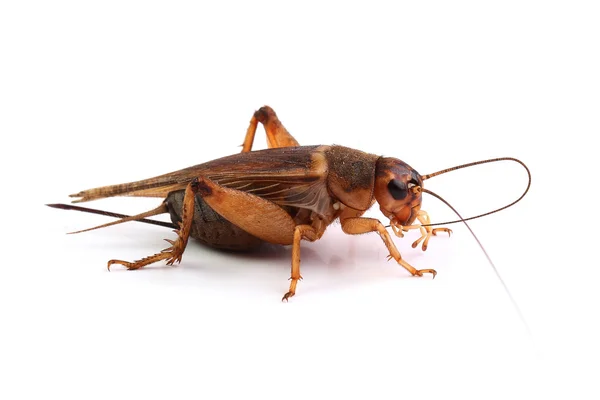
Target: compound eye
pixel 397 189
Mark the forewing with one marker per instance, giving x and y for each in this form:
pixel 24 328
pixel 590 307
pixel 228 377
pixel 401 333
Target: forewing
pixel 289 176
pixel 292 177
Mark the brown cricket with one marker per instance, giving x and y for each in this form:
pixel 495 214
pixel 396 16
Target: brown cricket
pixel 282 195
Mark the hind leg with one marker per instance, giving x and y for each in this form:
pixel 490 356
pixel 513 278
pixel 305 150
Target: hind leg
pixel 263 219
pixel 172 254
pixel 277 135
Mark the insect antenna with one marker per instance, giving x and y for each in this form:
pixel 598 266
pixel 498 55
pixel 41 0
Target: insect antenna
pixel 464 220
pixel 124 218
pixel 491 160
pixel 512 300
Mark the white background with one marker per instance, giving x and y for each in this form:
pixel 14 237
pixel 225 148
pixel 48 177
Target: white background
pixel 99 94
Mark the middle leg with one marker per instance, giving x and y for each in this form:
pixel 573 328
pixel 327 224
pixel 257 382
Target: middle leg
pixel 301 232
pixel 263 219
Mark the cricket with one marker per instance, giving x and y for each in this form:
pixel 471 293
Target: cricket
pixel 283 195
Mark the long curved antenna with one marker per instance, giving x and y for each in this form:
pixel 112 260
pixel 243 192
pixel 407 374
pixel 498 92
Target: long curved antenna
pixel 424 177
pixel 512 300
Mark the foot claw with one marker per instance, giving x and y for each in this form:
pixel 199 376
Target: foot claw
pixel 436 230
pixel 287 296
pixel 123 263
pixel 420 272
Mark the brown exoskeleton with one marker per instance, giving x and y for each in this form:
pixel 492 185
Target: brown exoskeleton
pixel 281 195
